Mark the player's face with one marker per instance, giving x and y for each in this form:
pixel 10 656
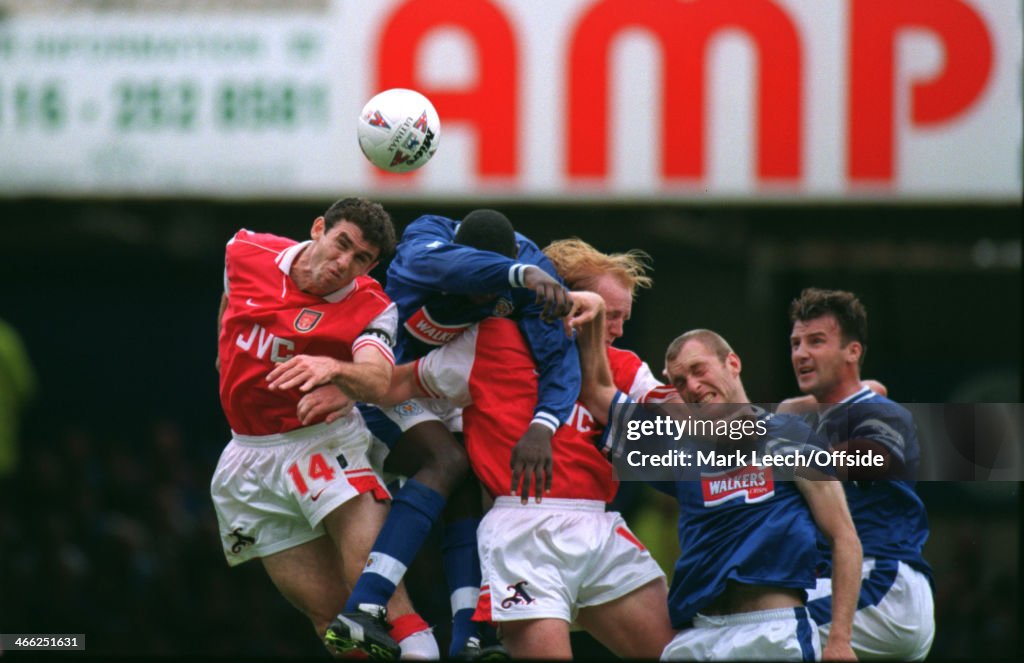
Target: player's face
pixel 480 300
pixel 819 358
pixel 701 377
pixel 618 303
pixel 338 255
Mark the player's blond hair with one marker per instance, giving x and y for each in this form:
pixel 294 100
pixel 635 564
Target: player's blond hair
pixel 580 265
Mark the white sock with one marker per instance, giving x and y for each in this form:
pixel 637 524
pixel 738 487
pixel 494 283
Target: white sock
pixel 420 646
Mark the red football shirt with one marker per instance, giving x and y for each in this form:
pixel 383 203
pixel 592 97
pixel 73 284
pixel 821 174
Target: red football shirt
pixel 631 375
pixel 490 372
pixel 269 320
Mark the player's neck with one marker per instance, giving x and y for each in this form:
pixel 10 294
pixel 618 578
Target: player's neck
pixel 301 273
pixel 840 390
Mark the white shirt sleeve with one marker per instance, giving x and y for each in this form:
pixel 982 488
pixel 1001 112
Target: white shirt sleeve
pixel 380 333
pixel 445 372
pixel 643 382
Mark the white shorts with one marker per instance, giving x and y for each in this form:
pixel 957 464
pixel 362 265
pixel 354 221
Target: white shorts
pixel 895 615
pixel 417 410
pixel 774 635
pixel 271 491
pixel 548 560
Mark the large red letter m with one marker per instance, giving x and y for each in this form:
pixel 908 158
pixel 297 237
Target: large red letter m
pixel 683 30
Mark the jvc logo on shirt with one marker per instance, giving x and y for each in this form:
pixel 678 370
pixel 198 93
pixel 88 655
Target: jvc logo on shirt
pixel 281 349
pixel 581 419
pixel 752 483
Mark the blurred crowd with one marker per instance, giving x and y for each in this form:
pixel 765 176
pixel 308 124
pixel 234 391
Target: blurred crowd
pixel 113 535
pixel 110 532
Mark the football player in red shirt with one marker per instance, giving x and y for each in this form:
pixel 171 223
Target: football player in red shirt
pixel 561 558
pixel 294 486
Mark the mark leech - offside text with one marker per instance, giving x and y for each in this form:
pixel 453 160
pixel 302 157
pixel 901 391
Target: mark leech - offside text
pixel 736 459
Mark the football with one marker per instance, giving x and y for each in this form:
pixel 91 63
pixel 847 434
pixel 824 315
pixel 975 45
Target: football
pixel 399 130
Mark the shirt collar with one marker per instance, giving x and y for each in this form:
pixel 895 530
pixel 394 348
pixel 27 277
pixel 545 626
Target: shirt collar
pixel 864 391
pixel 858 395
pixel 286 258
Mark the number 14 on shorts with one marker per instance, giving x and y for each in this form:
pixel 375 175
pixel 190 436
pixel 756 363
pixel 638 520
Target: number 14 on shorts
pixel 317 468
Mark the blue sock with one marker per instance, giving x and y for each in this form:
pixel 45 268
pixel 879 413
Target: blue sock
pixel 462 569
pixel 413 513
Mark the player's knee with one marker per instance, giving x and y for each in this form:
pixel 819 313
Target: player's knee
pixel 449 460
pixel 441 461
pixel 320 623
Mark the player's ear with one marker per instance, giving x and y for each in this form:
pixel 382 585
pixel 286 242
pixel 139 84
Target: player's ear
pixel 853 351
pixel 732 360
pixel 317 231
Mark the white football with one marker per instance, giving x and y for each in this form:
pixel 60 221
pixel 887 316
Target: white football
pixel 399 130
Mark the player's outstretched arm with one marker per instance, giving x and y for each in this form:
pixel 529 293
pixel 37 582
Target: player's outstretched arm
pixel 404 386
pixel 875 386
pixel 798 405
pixel 329 403
pixel 827 502
pixel 365 378
pixel 804 404
pixel 427 257
pixel 597 390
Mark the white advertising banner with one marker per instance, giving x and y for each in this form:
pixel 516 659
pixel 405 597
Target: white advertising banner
pixel 637 100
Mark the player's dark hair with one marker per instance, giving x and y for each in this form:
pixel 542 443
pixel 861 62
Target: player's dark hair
pixel 488 230
pixel 370 217
pixel 844 306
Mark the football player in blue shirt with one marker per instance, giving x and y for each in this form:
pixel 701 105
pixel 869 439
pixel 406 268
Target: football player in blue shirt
pixel 895 613
pixel 747 534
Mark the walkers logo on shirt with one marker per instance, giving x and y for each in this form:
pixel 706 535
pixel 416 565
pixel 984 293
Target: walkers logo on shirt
pixel 752 483
pixel 427 330
pixel 307 319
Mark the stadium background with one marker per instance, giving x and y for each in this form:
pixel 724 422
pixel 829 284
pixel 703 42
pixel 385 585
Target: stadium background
pixel 105 523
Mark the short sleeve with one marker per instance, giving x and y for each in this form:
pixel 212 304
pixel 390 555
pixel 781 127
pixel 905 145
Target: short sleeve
pixel 446 371
pixel 380 333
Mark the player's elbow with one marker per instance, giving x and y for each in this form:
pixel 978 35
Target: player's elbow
pixel 377 391
pixel 597 399
pixel 844 541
